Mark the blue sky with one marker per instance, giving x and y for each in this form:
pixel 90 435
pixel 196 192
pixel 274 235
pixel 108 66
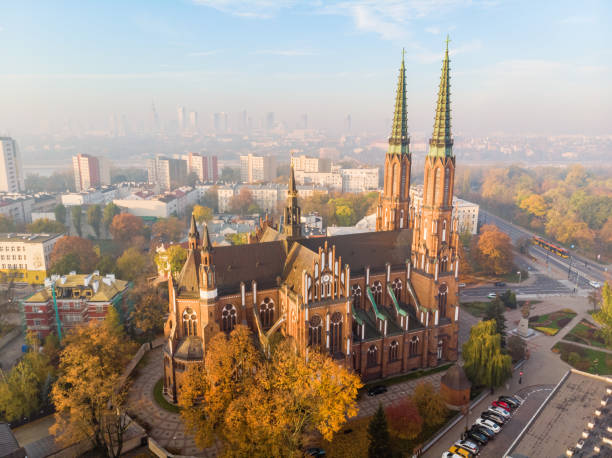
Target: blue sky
pixel 532 67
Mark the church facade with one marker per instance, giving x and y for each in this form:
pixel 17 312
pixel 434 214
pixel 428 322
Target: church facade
pixel 380 303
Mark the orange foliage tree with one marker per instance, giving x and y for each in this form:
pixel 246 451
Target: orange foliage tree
pixel 168 229
pixel 78 248
pixel 495 250
pixel 404 419
pixel 430 404
pixel 125 228
pixel 261 407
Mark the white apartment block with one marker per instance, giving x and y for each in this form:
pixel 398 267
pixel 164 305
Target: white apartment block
pixel 327 180
pixel 160 206
pixel 224 195
pixel 11 172
pixel 90 171
pixel 359 180
pixel 100 196
pixel 466 212
pixel 17 207
pixel 166 172
pixel 257 169
pixel 26 257
pixel 310 164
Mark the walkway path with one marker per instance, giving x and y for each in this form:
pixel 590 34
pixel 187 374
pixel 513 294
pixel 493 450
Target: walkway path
pixel 590 347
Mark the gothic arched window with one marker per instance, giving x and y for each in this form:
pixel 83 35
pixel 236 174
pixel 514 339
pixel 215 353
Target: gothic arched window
pixel 314 331
pixel 394 351
pixel 377 292
pixel 444 264
pixel 397 288
pixel 356 295
pixel 228 318
pixel 336 333
pixel 442 295
pixel 372 355
pixel 414 347
pixel 190 322
pixel 266 312
pixel 446 186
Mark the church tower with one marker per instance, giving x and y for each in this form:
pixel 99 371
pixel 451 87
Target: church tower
pixel 435 262
pixel 394 201
pixel 291 224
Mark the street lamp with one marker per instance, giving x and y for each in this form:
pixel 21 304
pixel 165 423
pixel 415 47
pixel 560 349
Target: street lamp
pixel 519 274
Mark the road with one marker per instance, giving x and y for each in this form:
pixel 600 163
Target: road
pixel 580 270
pixel 542 285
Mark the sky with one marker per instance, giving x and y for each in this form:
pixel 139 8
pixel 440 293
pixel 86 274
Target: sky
pixel 518 67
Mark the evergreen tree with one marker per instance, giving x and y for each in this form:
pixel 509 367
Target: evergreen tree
pixel 60 213
pixel 378 434
pixel 495 311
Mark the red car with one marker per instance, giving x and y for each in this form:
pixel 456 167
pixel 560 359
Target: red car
pixel 502 405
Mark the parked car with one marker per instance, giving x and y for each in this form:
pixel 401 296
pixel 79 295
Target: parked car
pixel 484 430
pixel 499 411
pixel 501 405
pixel 477 436
pixel 489 424
pixel 492 295
pixel 460 451
pixel 470 446
pixel 376 390
pixel 512 401
pixel 450 455
pixel 500 283
pixel 595 284
pixel 493 417
pixel 461 285
pixel 314 451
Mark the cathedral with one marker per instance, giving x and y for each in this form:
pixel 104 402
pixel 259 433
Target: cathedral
pixel 381 303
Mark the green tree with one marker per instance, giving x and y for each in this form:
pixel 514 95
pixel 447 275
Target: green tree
pixel 132 264
pixel 106 264
pixel 60 213
pixel 495 311
pixel 67 263
pixel 230 174
pixel 604 316
pixel 211 199
pixel 516 348
pixel 94 218
pixel 378 435
pixel 45 225
pixel 110 211
pixel 431 406
pixel 7 224
pixel 76 213
pixel 485 364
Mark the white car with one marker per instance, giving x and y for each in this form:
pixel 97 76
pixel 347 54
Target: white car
pixel 492 295
pixel 595 284
pixel 499 411
pixel 489 424
pixel 469 446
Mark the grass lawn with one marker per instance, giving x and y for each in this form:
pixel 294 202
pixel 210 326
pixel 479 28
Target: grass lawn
pixel 352 440
pixel 476 308
pixel 586 333
pixel 404 378
pixel 161 400
pixel 551 323
pixel 585 359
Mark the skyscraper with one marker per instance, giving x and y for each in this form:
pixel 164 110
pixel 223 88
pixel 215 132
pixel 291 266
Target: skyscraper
pixel 270 120
pixel 193 121
pixel 180 114
pixel 11 173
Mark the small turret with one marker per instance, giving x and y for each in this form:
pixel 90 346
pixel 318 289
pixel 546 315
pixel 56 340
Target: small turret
pixel 193 236
pixel 292 224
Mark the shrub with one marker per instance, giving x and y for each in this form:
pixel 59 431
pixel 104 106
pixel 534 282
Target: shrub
pixel 546 330
pixel 563 321
pixel 573 358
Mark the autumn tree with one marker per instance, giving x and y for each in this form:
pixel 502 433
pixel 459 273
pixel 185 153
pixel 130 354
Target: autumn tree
pixel 45 225
pixel 485 364
pixel 88 396
pixel 378 435
pixel 94 218
pixel 76 213
pixel 175 257
pixel 241 203
pixel 495 250
pixel 125 228
pixel 168 229
pixel 404 419
pixel 431 406
pixel 150 309
pixel 106 264
pixel 71 249
pixel 60 213
pixel 132 264
pixel 211 199
pixel 110 211
pixel 202 214
pixel 604 315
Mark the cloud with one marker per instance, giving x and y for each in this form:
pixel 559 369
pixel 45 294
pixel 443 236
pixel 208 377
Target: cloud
pixel 203 53
pixel 286 52
pixel 1 29
pixel 263 9
pixel 433 30
pixel 573 20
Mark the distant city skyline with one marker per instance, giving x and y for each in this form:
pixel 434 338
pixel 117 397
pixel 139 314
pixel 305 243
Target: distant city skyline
pixel 518 67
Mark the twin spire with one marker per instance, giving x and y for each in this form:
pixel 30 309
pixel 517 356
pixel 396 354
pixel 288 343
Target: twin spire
pixel 441 143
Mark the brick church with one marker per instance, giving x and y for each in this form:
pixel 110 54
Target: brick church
pixel 381 303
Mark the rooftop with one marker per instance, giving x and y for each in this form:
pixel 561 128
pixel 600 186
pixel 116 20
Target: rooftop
pixel 26 238
pixel 105 288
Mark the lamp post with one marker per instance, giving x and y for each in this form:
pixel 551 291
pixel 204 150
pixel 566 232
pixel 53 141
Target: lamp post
pixel 519 274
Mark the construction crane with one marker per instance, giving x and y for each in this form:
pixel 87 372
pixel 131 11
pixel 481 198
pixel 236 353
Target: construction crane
pixel 57 318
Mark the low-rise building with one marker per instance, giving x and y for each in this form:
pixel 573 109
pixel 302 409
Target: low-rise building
pixel 74 299
pixel 25 257
pixel 304 163
pixel 328 180
pixel 100 196
pixel 17 207
pixel 148 204
pixel 359 180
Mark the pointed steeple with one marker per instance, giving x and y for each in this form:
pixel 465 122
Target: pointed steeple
pixel 206 245
pixel 292 191
pixel 441 142
pixel 291 224
pixel 194 236
pixel 399 142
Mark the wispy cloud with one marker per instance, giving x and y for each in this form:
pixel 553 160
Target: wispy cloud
pixel 433 30
pixel 573 20
pixel 286 52
pixel 262 9
pixel 203 53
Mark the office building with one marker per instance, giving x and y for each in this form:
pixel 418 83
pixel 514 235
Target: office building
pixel 11 172
pixel 25 257
pixel 166 172
pixel 257 169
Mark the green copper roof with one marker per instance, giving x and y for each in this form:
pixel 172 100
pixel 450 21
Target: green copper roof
pixel 441 143
pixel 399 141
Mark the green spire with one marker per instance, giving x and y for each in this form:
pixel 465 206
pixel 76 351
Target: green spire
pixel 399 141
pixel 441 143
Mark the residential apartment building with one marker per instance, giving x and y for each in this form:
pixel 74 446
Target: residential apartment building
pixel 11 172
pixel 80 299
pixel 257 169
pixel 25 257
pixel 205 167
pixel 359 180
pixel 465 212
pixel 327 180
pixel 91 196
pixel 166 172
pixel 90 171
pixel 17 207
pixel 310 164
